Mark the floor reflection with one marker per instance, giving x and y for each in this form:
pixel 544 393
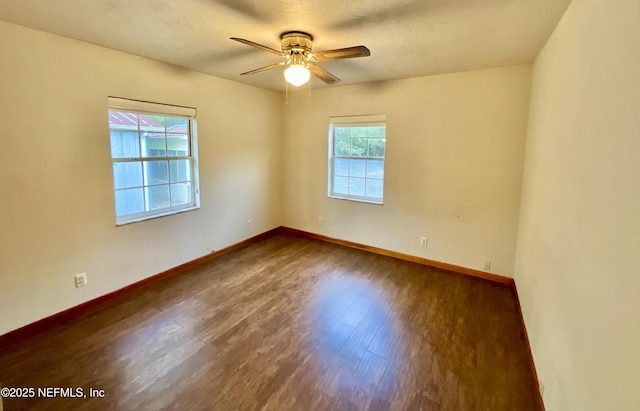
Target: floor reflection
pixel 355 336
pixel 157 346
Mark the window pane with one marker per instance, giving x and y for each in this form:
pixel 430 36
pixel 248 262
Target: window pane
pixel 356 186
pixel 357 158
pixel 156 172
pixel 375 168
pixel 341 185
pixel 341 167
pixel 377 131
pixel 127 175
pixel 157 197
pixel 177 125
pixel 180 170
pixel 180 193
pixel 342 132
pixel 178 143
pixel 342 146
pixel 146 182
pixel 124 144
pixel 151 123
pixel 374 188
pixel 153 145
pixel 376 147
pixel 129 202
pixel 123 120
pixel 359 147
pixel 357 168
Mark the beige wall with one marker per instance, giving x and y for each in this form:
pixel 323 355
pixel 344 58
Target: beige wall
pixel 453 165
pixel 56 198
pixel 578 262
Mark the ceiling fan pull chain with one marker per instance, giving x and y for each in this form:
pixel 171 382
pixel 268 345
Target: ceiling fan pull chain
pixel 286 92
pixel 309 98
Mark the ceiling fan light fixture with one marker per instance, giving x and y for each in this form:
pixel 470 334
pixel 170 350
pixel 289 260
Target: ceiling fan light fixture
pixel 296 75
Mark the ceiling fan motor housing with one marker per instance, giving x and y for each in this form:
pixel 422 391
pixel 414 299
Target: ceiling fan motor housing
pixel 296 41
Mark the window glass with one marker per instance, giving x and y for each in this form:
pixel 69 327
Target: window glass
pixel 356 160
pixel 148 179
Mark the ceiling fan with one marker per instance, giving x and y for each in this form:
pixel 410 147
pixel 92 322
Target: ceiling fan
pixel 296 49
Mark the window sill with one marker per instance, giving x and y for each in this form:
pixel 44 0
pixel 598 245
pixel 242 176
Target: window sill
pixel 124 221
pixel 357 199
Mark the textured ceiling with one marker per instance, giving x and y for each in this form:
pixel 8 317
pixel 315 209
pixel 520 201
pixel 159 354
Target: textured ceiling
pixel 407 38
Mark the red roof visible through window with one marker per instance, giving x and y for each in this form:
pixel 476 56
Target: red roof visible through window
pixel 119 118
pixel 180 128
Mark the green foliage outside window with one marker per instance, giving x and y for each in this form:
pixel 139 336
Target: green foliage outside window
pixel 360 141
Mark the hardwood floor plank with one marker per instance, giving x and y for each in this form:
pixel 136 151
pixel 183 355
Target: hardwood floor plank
pixel 288 323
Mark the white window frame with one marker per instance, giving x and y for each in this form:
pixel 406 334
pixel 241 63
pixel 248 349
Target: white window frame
pixel 144 107
pixel 353 121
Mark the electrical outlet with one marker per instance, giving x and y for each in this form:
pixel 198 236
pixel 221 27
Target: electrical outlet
pixel 320 220
pixel 249 224
pixel 81 280
pixel 423 241
pixel 486 266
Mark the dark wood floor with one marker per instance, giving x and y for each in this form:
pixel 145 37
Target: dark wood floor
pixel 288 324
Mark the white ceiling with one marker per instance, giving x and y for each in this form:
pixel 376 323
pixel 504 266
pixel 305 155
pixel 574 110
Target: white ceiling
pixel 407 38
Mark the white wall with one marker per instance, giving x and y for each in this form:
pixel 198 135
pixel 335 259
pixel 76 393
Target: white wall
pixel 578 262
pixel 57 213
pixel 453 165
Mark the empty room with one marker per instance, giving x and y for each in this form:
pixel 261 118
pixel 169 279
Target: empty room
pixel 320 205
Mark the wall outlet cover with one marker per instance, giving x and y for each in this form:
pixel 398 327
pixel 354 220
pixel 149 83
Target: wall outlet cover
pixel 80 280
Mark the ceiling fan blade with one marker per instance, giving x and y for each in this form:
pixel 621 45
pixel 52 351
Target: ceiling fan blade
pixel 322 74
pixel 269 67
pixel 258 46
pixel 346 53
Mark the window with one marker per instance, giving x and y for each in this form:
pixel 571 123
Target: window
pixel 356 158
pixel 154 158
